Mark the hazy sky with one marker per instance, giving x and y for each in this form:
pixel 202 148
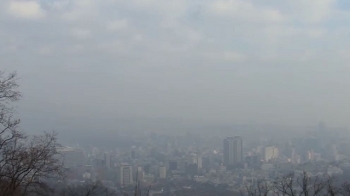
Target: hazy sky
pixel 220 61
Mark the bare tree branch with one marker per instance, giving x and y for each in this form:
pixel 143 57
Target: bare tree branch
pixel 26 163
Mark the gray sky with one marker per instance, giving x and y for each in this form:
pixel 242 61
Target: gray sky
pixel 223 61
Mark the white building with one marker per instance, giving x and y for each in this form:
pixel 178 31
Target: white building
pixel 271 153
pixel 86 176
pixel 162 172
pixel 310 155
pixel 125 176
pixel 140 174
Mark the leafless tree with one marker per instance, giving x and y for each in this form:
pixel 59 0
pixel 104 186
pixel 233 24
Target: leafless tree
pixel 87 189
pixel 97 189
pixel 26 163
pixel 261 188
pixel 297 185
pixel 345 189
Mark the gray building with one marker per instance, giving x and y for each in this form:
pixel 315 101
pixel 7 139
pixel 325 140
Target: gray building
pixel 233 152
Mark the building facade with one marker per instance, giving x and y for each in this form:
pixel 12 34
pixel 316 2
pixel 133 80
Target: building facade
pixel 271 153
pixel 162 172
pixel 126 175
pixel 233 151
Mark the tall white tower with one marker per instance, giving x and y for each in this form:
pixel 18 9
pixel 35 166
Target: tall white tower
pixel 271 152
pixel 162 172
pixel 126 175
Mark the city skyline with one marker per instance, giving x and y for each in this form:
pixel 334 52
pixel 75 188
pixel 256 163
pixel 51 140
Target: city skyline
pixel 174 97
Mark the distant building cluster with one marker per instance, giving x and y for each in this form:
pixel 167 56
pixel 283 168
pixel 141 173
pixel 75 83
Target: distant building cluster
pixel 164 161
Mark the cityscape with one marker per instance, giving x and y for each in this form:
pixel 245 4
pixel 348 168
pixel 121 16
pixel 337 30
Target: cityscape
pixel 197 164
pixel 174 98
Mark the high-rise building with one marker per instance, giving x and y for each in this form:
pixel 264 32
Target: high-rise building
pixel 310 155
pixel 71 157
pixel 233 152
pixel 95 151
pixel 199 162
pixel 108 160
pixel 147 168
pixel 192 169
pixel 140 174
pixel 271 152
pixel 172 165
pixel 196 160
pixel 126 175
pixel 162 172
